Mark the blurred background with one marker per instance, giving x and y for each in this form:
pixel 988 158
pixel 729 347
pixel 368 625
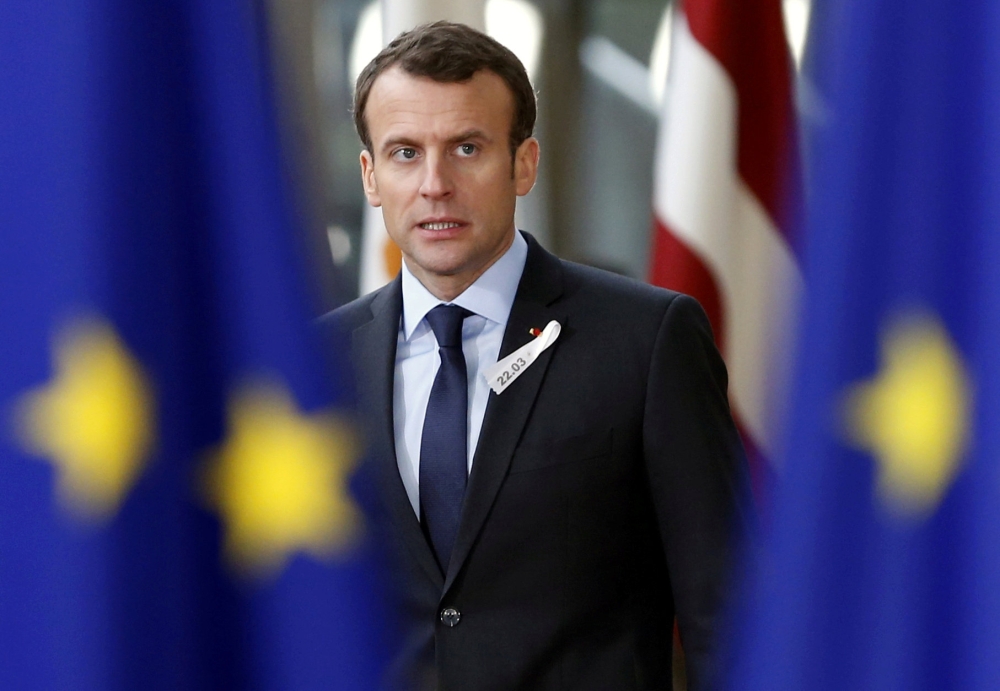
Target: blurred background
pixel 180 198
pixel 599 68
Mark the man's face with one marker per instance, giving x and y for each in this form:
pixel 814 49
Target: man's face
pixel 440 168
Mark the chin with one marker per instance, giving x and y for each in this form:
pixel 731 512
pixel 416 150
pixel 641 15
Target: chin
pixel 443 268
pixel 442 262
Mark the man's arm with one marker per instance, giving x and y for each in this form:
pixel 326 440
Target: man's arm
pixel 698 477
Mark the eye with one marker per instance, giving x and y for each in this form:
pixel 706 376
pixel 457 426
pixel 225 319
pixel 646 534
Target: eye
pixel 405 153
pixel 466 149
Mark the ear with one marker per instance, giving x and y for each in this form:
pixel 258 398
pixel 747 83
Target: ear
pixel 526 166
pixel 368 178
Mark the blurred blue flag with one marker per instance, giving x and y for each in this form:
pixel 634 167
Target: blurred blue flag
pixel 882 567
pixel 174 459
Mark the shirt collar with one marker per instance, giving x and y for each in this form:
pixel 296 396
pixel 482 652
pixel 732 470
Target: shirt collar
pixel 491 295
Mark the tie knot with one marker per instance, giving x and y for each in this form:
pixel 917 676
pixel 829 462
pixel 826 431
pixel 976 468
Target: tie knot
pixel 446 323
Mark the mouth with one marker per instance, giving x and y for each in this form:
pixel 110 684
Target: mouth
pixel 440 225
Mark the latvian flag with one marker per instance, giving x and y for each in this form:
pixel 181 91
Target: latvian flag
pixel 726 168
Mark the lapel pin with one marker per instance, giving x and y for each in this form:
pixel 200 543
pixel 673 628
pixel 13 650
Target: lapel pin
pixel 503 373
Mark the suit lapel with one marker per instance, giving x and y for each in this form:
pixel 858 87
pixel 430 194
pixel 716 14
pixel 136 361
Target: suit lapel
pixel 507 414
pixel 374 346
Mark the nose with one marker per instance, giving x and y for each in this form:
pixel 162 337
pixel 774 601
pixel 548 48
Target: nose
pixel 437 182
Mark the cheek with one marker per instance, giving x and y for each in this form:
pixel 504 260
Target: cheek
pixel 498 193
pixel 387 194
pixel 397 187
pixel 397 204
pixel 491 183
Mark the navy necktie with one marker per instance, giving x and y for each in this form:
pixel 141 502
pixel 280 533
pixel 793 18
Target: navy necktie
pixel 444 442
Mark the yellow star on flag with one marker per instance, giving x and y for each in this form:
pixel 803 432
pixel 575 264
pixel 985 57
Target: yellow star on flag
pixel 94 421
pixel 280 482
pixel 914 415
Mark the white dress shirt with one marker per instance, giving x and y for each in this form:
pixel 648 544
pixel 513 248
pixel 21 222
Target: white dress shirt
pixel 417 360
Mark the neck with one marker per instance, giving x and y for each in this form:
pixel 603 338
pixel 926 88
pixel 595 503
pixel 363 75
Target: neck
pixel 447 287
pixel 443 289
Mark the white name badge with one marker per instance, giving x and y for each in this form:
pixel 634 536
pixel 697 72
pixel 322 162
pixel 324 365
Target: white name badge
pixel 502 374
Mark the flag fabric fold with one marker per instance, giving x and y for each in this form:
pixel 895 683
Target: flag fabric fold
pixel 881 569
pixel 176 457
pixel 724 192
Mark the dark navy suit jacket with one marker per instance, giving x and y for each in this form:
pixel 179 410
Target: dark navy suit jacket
pixel 606 496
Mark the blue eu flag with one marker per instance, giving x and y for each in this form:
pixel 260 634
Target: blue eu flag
pixel 882 568
pixel 176 464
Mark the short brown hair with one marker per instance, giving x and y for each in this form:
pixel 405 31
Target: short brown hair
pixel 448 52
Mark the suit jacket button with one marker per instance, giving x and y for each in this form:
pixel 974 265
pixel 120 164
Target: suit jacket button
pixel 450 616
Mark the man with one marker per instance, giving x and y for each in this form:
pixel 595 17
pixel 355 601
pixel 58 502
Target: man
pixel 544 537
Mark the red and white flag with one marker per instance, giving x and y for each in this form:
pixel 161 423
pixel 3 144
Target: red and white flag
pixel 726 162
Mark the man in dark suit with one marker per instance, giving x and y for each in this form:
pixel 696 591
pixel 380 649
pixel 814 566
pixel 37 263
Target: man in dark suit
pixel 546 534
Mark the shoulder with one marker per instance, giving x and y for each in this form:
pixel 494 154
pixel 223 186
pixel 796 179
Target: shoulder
pixel 589 285
pixel 608 302
pixel 359 311
pixel 614 286
pixel 627 298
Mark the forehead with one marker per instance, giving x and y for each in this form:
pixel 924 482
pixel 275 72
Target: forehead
pixel 404 105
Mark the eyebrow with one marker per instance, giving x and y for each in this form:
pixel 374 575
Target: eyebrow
pixel 397 141
pixel 469 134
